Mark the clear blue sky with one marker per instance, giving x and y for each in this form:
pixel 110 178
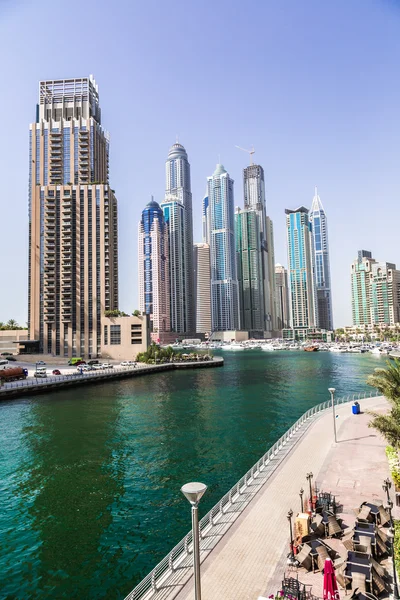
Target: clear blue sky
pixel 314 85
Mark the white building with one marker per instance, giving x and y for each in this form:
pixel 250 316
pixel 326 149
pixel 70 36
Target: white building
pixel 202 287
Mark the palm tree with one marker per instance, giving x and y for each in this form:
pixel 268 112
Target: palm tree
pixel 12 324
pixel 387 382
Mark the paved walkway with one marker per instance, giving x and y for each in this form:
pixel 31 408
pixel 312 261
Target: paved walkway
pixel 250 559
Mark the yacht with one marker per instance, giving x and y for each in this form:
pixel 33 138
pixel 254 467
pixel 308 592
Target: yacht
pixel 338 348
pixel 267 347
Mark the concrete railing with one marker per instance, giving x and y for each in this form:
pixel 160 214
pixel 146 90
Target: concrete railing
pixel 156 582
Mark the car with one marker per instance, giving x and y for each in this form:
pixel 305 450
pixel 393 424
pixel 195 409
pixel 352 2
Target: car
pixel 40 362
pixel 40 374
pixel 125 363
pixel 6 354
pixel 97 367
pixel 11 357
pixel 56 372
pixel 93 362
pixel 107 366
pixel 80 362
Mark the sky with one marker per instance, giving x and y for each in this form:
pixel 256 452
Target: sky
pixel 313 85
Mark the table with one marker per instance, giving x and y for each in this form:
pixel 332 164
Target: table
pixel 367 529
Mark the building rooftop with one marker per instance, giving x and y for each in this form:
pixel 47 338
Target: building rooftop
pixel 220 170
pixel 177 151
pixel 302 209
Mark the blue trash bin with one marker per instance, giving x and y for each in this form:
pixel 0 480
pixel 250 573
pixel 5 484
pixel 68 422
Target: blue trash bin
pixel 355 409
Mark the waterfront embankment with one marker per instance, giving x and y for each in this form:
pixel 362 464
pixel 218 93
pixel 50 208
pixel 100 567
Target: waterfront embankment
pixel 244 553
pixel 59 382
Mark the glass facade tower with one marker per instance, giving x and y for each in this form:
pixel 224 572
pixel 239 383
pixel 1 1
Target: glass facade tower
pixel 153 266
pixel 302 294
pixel 319 228
pixel 224 284
pixel 177 209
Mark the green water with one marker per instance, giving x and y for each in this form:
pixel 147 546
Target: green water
pixel 90 477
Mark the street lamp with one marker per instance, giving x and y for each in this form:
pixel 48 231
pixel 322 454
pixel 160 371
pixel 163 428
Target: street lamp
pixel 301 498
pixel 194 492
pixel 332 393
pixel 289 518
pixel 309 477
pixel 387 484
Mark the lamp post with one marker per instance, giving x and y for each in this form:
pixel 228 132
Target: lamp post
pixel 301 498
pixel 332 393
pixel 289 518
pixel 309 477
pixel 387 484
pixel 194 492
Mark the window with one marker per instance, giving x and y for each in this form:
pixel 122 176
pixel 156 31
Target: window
pixel 106 335
pixel 115 335
pixel 136 327
pixel 136 341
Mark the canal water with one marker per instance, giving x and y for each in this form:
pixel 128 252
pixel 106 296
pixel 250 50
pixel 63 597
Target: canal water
pixel 90 477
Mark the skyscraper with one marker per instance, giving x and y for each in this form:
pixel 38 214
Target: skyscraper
pixel 154 267
pixel 319 228
pixel 384 294
pixel 301 272
pixel 224 284
pixel 174 215
pixel 202 287
pixel 178 202
pixel 73 228
pixel 282 297
pixel 205 220
pixel 254 200
pixel 249 270
pixel 360 292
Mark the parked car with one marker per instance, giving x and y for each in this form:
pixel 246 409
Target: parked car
pixel 93 362
pixel 6 354
pixel 125 363
pixel 40 374
pixel 11 357
pixel 80 362
pixel 97 367
pixel 107 366
pixel 40 362
pixel 56 372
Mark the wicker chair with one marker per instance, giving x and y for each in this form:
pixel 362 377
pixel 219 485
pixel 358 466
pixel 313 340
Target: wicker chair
pixel 365 514
pixel 334 529
pixel 379 569
pixel 378 585
pixel 364 545
pixel 358 582
pixel 322 556
pixel 303 557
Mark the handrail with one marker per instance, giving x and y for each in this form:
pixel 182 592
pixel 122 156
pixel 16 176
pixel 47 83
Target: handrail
pixel 149 586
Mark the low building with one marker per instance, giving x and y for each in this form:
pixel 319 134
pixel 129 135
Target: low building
pixel 122 338
pixel 11 340
pixel 308 333
pixel 229 336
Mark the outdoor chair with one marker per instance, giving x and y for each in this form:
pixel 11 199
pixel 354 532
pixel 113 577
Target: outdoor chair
pixel 347 541
pixel 334 529
pixel 357 595
pixel 383 516
pixel 303 557
pixel 358 582
pixel 381 533
pixel 381 546
pixel 292 588
pixel 364 545
pixel 364 514
pixel 379 569
pixel 322 556
pixel 340 576
pixel 317 526
pixel 378 585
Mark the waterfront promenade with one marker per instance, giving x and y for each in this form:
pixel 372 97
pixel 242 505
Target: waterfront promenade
pixel 249 560
pixel 41 386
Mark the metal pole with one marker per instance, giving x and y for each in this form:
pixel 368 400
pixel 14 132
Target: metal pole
pixel 332 392
pixel 196 552
pixel 301 499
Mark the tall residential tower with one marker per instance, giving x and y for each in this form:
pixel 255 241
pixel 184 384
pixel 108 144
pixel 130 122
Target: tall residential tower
pixel 73 229
pixel 177 208
pixel 319 228
pixel 301 272
pixel 224 284
pixel 153 268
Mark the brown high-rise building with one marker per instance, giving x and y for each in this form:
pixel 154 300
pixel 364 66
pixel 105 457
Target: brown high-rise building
pixel 73 228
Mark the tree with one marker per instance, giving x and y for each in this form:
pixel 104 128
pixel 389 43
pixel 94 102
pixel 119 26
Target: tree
pixel 12 324
pixel 136 313
pixel 387 382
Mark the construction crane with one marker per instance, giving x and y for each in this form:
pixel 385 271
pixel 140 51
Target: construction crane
pixel 251 152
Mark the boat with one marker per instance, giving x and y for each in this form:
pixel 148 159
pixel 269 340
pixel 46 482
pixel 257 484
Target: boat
pixel 313 348
pixel 267 347
pixel 338 348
